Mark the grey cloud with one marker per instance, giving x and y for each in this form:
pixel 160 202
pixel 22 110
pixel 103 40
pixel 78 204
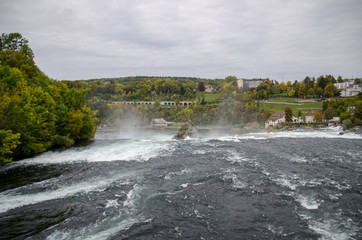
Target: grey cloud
pixel 89 39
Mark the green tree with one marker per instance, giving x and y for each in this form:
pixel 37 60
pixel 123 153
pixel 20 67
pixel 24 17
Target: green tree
pixel 228 88
pixel 201 86
pixel 283 87
pixel 347 124
pixel 288 114
pixel 15 42
pixel 319 91
pixel 302 90
pixel 330 90
pixel 329 113
pixel 33 108
pixel 231 79
pixel 8 142
pixel 291 92
pixel 310 93
pixel 276 89
pixel 308 82
pixel 322 82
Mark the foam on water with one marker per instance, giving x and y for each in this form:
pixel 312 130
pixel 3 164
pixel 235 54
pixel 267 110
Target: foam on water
pixel 112 203
pixel 332 226
pixel 237 138
pixel 318 133
pixel 308 202
pixel 132 196
pixel 109 226
pixel 287 183
pixel 298 159
pixel 330 132
pixel 170 175
pixel 13 199
pixel 129 150
pixel 111 146
pixel 236 157
pixel 231 176
pixel 279 231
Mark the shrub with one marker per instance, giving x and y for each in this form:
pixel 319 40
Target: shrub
pixel 347 123
pixel 63 141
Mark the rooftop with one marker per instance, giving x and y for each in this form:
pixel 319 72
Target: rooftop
pixel 277 115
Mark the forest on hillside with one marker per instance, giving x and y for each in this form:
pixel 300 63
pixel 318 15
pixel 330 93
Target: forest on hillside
pixel 227 104
pixel 36 112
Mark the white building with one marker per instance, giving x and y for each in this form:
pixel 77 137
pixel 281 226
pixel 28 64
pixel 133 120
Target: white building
pixel 210 89
pixel 276 118
pixel 309 118
pixel 344 85
pixel 245 84
pixel 240 83
pixel 348 89
pixel 351 91
pixel 297 119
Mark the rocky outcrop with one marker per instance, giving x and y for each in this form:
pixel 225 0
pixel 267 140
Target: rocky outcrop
pixel 186 130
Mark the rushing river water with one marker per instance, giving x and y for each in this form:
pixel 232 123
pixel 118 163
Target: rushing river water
pixel 144 185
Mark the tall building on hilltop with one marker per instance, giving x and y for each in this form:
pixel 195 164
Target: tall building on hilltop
pixel 246 83
pixel 349 88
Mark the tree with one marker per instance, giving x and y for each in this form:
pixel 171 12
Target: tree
pixel 291 92
pixel 15 42
pixel 201 86
pixel 188 94
pixel 231 79
pixel 35 110
pixel 318 116
pixel 329 113
pixel 322 82
pixel 347 123
pixel 307 81
pixel 8 142
pixel 288 114
pixel 330 90
pixel 228 88
pixel 302 89
pixel 319 91
pixel 310 92
pixel 276 88
pixel 283 87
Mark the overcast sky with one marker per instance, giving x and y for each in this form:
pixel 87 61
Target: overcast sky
pixel 282 40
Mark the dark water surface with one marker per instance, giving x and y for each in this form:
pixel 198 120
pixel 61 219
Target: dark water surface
pixel 144 185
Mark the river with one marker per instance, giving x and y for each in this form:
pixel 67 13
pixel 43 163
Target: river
pixel 141 184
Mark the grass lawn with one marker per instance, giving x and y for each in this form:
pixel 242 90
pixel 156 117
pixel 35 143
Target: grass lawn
pixel 279 104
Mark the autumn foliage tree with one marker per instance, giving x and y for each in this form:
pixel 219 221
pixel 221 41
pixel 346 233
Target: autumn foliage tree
pixel 319 117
